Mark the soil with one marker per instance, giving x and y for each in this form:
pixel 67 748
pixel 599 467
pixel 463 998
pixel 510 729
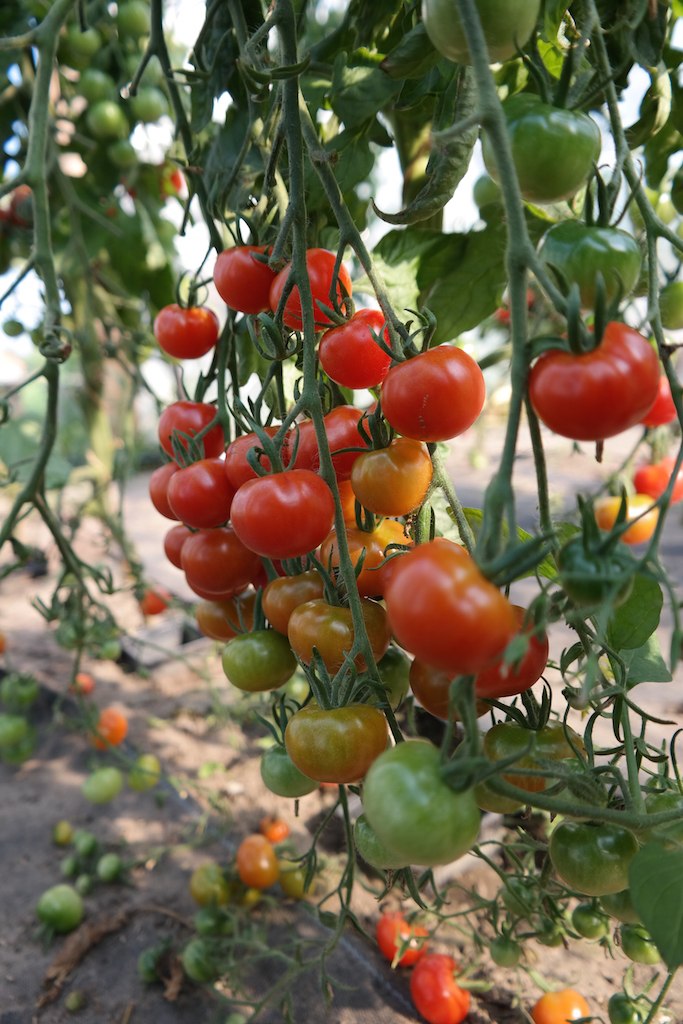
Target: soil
pixel 209 743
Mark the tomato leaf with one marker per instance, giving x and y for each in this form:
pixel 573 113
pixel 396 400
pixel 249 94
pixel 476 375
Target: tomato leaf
pixel 358 93
pixel 656 892
pixel 645 664
pixel 638 617
pixel 413 57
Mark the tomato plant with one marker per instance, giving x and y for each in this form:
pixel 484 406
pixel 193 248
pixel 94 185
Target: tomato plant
pixel 349 354
pixel 560 1007
pixel 185 332
pixel 435 991
pixel 283 515
pixel 393 481
pixel 256 862
pixel 594 395
pixel 242 280
pixel 394 934
pixel 336 744
pixel 325 290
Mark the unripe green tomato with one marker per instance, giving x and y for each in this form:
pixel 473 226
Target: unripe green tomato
pixel 549 934
pixel 83 884
pixel 133 18
pixel 671 306
pixel 677 191
pixel 622 1009
pixel 507 25
pixel 123 154
pixel 95 85
pixel 75 1001
pixel 62 833
pixel 19 752
pixel 13 730
pixel 394 668
pixel 577 252
pixel 145 773
pixel 197 961
pixel 107 120
pixel 76 48
pixel 109 867
pixel 258 661
pixel 60 908
pixel 589 922
pixel 370 848
pixel 505 952
pixel 147 965
pixel 85 843
pixel 148 105
pixel 13 328
pixel 486 191
pixel 18 691
pixel 103 785
pixel 637 944
pixel 282 777
pixel 592 859
pixel 69 866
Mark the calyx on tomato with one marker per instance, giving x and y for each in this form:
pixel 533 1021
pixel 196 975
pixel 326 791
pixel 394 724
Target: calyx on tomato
pixel 590 396
pixel 553 149
pixel 578 253
pixel 592 575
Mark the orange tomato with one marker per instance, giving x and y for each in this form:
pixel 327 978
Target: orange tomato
pixel 274 829
pixel 83 683
pixel 607 509
pixel 560 1007
pixel 256 862
pixel 111 729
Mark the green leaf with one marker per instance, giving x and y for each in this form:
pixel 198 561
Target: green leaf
pixel 358 93
pixel 638 617
pixel 397 259
pixel 645 664
pixel 656 891
pixel 413 57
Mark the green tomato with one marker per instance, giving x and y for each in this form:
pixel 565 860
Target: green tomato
pixel 13 730
pixel 619 905
pixel 621 1009
pixel 83 884
pixel 198 963
pixel 133 18
pixel 505 952
pixel 76 48
pixel 107 120
pixel 258 661
pixel 520 896
pixel 677 191
pixel 95 85
pixel 62 833
pixel 18 691
pixel 123 154
pixel 394 669
pixel 371 849
pixel 577 253
pixel 592 859
pixel 549 933
pixel 553 149
pixel 149 104
pixel 594 578
pixel 637 944
pixel 209 886
pixel 213 921
pixel 109 867
pixel 69 866
pixel 413 811
pixel 488 800
pixel 17 753
pixel 145 773
pixel 486 192
pixel 103 785
pixel 60 908
pixel 507 25
pixel 147 965
pixel 671 306
pixel 282 777
pixel 85 843
pixel 589 923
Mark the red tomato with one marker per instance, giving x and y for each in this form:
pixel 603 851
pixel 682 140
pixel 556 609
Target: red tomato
pixel 217 564
pixel 173 544
pixel 442 610
pixel 274 829
pixel 111 729
pixel 154 601
pixel 343 437
pixel 329 628
pixel 560 1007
pixel 281 596
pixel 662 409
pixel 222 620
pixel 320 266
pixel 434 396
pixel 350 355
pixel 186 332
pixel 595 395
pixel 283 515
pixel 191 418
pixel 393 933
pixel 243 282
pixel 237 468
pixel 200 494
pixel 256 861
pixel 373 545
pixel 393 481
pixel 432 688
pixel 83 683
pixel 607 509
pixel 501 679
pixel 654 479
pixel 435 992
pixel 158 489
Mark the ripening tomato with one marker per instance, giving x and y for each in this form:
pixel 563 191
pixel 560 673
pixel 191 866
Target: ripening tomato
pixel 154 601
pixel 190 418
pixel 186 332
pixel 200 494
pixel 662 410
pixel 320 267
pixel 432 687
pixel 222 620
pixel 282 595
pixel 283 515
pixel 217 564
pixel 607 509
pixel 274 829
pixel 258 661
pixel 111 729
pixel 504 679
pixel 83 684
pixel 595 395
pixel 393 933
pixel 349 354
pixel 158 488
pixel 374 547
pixel 554 742
pixel 343 437
pixel 393 481
pixel 560 1007
pixel 442 610
pixel 434 396
pixel 336 744
pixel 654 479
pixel 329 629
pixel 242 281
pixel 435 992
pixel 209 886
pixel 256 862
pixel 173 543
pixel 237 468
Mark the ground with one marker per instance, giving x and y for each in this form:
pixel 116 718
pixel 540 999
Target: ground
pixel 209 744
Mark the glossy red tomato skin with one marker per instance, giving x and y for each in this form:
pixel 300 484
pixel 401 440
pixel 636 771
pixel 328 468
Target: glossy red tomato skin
pixel 243 282
pixel 281 596
pixel 505 680
pixel 393 481
pixel 341 428
pixel 190 418
pixel 435 992
pixel 237 468
pixel 559 1007
pixel 442 610
pixel 158 489
pixel 598 394
pixel 374 546
pixel 320 266
pixel 200 494
pixel 186 332
pixel 256 862
pixel 435 396
pixel 217 564
pixel 662 410
pixel 173 543
pixel 653 479
pixel 222 620
pixel 283 515
pixel 336 744
pixel 329 628
pixel 349 354
pixel 392 931
pixel 432 687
